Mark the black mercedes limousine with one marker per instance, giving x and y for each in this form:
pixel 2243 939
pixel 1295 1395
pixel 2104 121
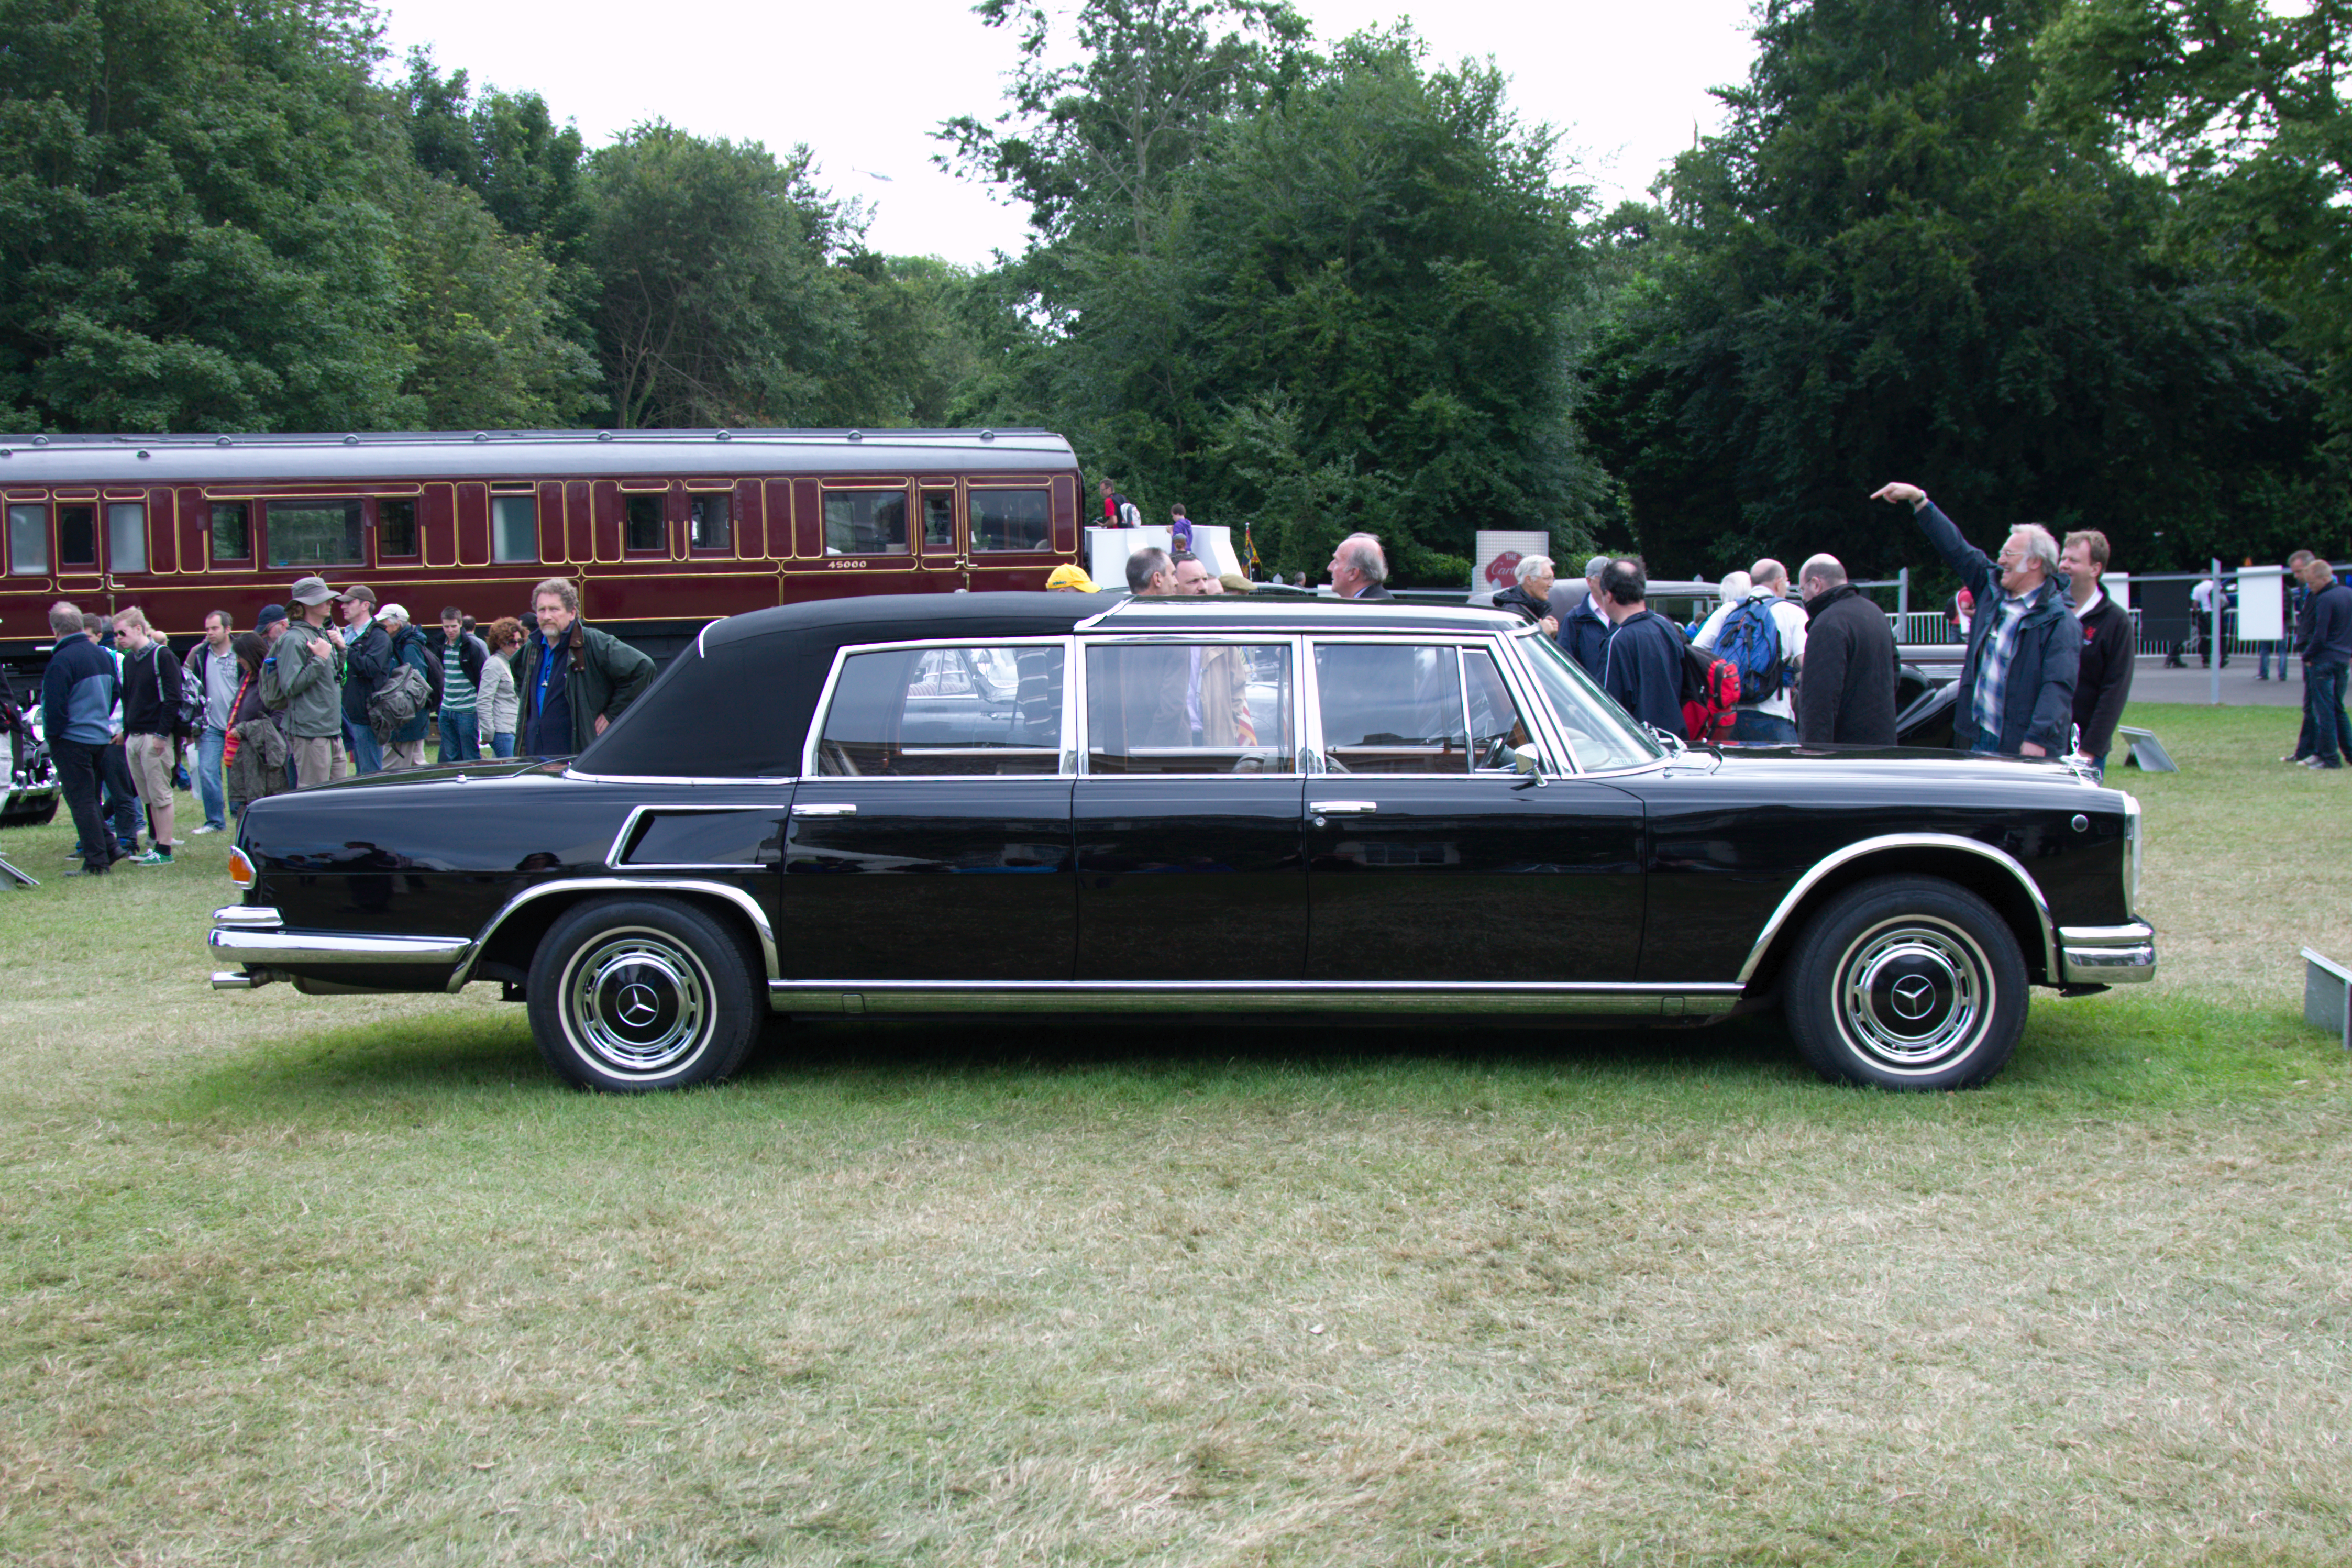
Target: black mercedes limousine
pixel 1067 804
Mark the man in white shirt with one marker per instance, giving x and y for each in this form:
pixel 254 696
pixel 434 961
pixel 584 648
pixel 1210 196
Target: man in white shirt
pixel 1766 715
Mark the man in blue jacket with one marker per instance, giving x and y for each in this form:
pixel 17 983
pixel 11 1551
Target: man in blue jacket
pixel 78 697
pixel 2017 682
pixel 1644 669
pixel 2326 649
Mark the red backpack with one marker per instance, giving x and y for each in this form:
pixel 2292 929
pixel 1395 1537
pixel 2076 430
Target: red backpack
pixel 1710 695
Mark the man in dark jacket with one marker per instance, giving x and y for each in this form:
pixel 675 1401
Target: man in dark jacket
pixel 2326 649
pixel 1846 694
pixel 2017 682
pixel 575 679
pixel 1584 624
pixel 79 692
pixel 1530 593
pixel 151 725
pixel 367 655
pixel 1360 568
pixel 404 747
pixel 1644 669
pixel 2103 682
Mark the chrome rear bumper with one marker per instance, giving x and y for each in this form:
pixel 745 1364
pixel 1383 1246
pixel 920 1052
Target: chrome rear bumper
pixel 253 935
pixel 2108 955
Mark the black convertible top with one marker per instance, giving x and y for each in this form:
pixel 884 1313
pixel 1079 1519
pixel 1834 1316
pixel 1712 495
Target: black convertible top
pixel 737 703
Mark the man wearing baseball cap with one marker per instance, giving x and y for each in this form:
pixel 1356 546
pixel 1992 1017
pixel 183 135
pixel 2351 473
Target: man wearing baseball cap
pixel 367 653
pixel 301 676
pixel 1069 579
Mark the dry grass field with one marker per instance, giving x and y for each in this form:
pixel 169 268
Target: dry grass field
pixel 302 1281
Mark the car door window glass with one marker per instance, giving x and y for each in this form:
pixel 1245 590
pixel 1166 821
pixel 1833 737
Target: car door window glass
pixel 1189 708
pixel 1391 708
pixel 1599 730
pixel 925 712
pixel 1500 740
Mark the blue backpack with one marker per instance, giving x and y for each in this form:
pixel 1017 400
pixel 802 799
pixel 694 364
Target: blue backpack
pixel 1750 641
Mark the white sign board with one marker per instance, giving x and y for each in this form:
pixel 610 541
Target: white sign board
pixel 2116 586
pixel 1500 552
pixel 2262 604
pixel 1108 548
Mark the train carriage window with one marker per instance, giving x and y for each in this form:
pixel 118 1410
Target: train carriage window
pixel 317 533
pixel 232 530
pixel 939 520
pixel 643 514
pixel 76 536
pixel 126 537
pixel 1011 520
pixel 866 522
pixel 28 540
pixel 514 529
pixel 395 528
pixel 709 525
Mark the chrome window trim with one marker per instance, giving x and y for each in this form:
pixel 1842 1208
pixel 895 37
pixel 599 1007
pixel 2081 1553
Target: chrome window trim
pixel 735 895
pixel 1514 681
pixel 1078 707
pixel 846 651
pixel 693 780
pixel 1655 765
pixel 629 824
pixel 1860 848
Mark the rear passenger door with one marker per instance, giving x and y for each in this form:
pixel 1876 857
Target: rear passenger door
pixel 1430 856
pixel 1186 817
pixel 930 830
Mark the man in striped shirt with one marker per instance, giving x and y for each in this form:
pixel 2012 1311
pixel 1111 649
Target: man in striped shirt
pixel 461 666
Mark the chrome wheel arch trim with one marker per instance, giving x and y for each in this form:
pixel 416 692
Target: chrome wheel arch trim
pixel 732 894
pixel 1838 858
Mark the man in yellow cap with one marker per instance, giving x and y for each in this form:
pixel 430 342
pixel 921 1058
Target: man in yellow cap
pixel 1070 579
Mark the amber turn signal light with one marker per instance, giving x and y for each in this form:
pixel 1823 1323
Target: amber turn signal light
pixel 240 870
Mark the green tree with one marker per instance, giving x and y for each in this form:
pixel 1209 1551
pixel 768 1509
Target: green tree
pixel 1887 267
pixel 189 238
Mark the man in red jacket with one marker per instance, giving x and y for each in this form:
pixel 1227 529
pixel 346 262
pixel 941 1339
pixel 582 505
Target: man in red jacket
pixel 2103 680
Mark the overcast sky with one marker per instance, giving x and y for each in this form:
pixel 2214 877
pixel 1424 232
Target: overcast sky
pixel 865 84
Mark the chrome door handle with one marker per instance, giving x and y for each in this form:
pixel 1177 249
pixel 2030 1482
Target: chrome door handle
pixel 1344 807
pixel 824 811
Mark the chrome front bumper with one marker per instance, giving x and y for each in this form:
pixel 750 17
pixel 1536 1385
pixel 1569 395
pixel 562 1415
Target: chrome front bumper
pixel 254 935
pixel 2108 955
pixel 15 798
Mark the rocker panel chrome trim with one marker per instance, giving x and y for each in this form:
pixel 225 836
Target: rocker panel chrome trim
pixel 1855 852
pixel 857 996
pixel 737 896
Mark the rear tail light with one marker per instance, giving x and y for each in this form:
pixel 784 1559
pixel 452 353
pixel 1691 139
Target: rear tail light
pixel 240 870
pixel 2132 842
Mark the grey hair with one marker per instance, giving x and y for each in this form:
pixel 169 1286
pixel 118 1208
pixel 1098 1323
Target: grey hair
pixel 1766 573
pixel 1594 567
pixel 1362 551
pixel 1734 587
pixel 65 618
pixel 1143 567
pixel 2040 545
pixel 1534 566
pixel 1826 570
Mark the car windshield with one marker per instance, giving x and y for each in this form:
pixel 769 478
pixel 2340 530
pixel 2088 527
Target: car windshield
pixel 1604 735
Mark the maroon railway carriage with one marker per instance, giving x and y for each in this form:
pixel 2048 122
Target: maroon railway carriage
pixel 663 530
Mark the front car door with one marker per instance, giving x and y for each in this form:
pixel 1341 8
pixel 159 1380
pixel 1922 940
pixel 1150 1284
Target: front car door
pixel 931 830
pixel 1436 852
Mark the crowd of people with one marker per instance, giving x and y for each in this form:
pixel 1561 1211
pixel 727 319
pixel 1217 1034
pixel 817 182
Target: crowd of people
pixel 300 700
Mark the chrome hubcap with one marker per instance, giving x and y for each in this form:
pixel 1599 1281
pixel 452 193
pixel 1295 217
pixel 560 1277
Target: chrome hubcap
pixel 1914 993
pixel 639 1003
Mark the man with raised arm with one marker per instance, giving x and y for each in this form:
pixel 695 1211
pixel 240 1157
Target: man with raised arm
pixel 2017 680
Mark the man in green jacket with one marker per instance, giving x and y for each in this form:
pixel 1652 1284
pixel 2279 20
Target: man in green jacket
pixel 303 676
pixel 575 680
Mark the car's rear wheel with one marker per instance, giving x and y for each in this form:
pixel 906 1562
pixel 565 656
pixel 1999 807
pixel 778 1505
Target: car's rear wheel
pixel 1908 983
pixel 633 994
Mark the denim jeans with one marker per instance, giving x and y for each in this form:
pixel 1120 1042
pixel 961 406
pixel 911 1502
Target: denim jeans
pixel 2331 732
pixel 460 736
pixel 502 743
pixel 211 787
pixel 1755 726
pixel 367 756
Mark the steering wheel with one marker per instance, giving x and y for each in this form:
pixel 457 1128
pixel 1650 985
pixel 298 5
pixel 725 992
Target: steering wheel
pixel 1496 754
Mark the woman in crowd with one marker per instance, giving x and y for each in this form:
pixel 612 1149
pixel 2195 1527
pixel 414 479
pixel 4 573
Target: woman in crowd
pixel 253 757
pixel 495 695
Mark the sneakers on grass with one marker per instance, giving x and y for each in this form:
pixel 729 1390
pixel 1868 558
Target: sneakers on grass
pixel 208 827
pixel 152 857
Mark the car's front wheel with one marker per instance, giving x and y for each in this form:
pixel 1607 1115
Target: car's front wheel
pixel 643 994
pixel 1908 983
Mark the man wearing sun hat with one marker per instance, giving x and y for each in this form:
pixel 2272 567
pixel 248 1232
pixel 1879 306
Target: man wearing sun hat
pixel 299 681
